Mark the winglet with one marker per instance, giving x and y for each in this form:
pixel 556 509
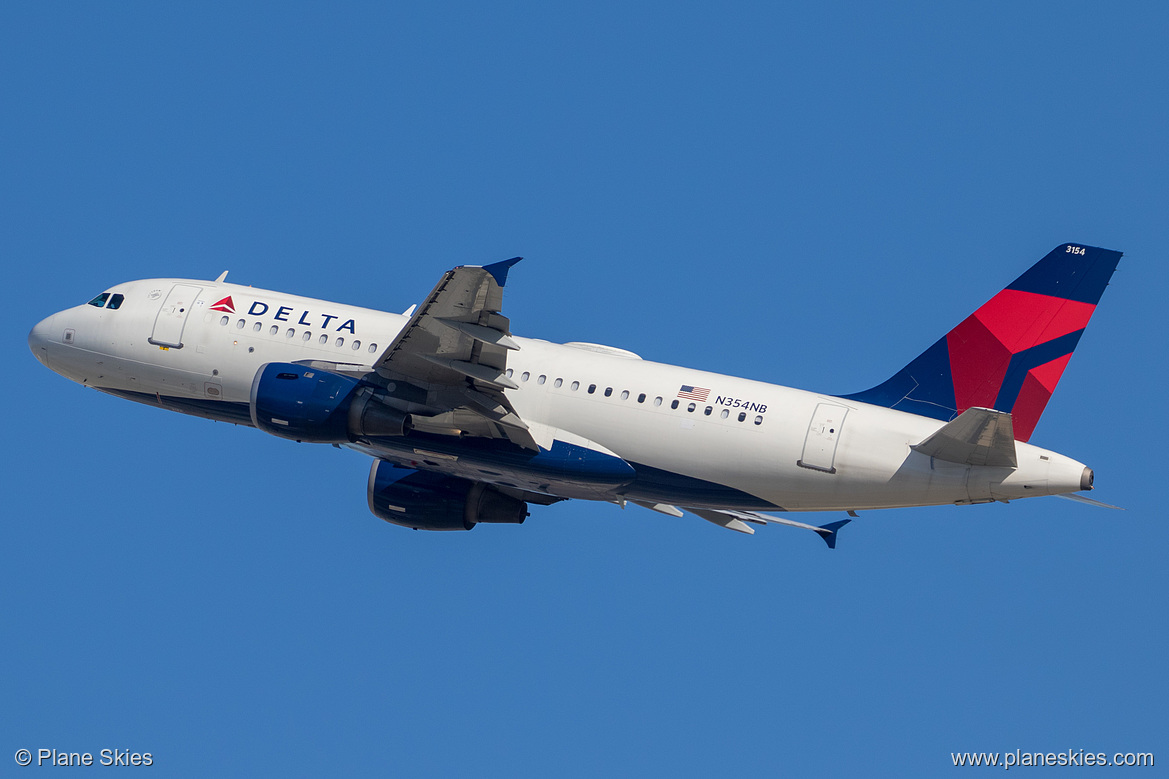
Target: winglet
pixel 828 532
pixel 499 269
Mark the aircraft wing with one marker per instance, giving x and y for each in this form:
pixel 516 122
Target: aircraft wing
pixel 454 348
pixel 736 520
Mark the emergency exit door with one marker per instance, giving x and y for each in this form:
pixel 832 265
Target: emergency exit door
pixel 823 435
pixel 172 317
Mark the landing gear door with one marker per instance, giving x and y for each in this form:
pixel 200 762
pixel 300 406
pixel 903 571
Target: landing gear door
pixel 172 317
pixel 823 435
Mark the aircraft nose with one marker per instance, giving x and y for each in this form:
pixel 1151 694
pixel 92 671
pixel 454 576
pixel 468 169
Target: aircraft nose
pixel 38 339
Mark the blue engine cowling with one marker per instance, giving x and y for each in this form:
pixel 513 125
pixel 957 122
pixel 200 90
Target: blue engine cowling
pixel 309 404
pixel 432 501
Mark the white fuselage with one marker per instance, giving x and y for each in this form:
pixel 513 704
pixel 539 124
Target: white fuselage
pixel 781 447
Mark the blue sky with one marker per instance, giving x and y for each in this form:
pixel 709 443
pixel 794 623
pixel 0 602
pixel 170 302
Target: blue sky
pixel 802 195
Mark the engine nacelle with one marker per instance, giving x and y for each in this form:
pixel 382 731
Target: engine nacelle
pixel 308 404
pixel 432 501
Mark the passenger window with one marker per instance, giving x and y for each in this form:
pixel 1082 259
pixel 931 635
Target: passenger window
pixel 256 327
pixel 510 372
pixel 592 388
pixel 557 384
pixel 657 401
pixel 725 414
pixel 307 336
pixel 641 398
pixel 356 345
pixel 223 320
pixel 240 324
pixel 625 394
pixel 608 391
pixel 339 342
pixel 115 302
pixel 691 407
pixel 324 339
pixel 674 404
pixel 759 420
pixel 372 348
pixel 742 415
pixel 707 411
pixel 575 386
pixel 542 379
pixel 100 300
pixel 291 332
pixel 273 330
pixel 525 376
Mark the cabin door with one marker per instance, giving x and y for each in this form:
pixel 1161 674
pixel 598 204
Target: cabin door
pixel 172 317
pixel 823 434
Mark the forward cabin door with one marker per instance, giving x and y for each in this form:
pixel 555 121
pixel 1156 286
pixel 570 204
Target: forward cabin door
pixel 823 434
pixel 172 317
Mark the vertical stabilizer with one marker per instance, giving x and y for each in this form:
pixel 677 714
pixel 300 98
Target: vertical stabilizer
pixel 1010 353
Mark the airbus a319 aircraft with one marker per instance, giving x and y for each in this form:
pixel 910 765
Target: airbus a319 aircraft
pixel 469 424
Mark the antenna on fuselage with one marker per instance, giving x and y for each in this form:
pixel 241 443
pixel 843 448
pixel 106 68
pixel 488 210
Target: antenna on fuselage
pixel 222 276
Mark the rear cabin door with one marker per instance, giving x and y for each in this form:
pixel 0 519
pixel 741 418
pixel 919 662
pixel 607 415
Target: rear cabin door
pixel 823 434
pixel 172 317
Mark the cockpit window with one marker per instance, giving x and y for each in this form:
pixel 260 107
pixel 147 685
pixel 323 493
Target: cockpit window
pixel 115 301
pixel 100 300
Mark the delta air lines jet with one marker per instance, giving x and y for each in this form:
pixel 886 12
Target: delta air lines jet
pixel 470 424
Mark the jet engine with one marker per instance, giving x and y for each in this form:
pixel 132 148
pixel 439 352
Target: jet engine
pixel 308 404
pixel 433 501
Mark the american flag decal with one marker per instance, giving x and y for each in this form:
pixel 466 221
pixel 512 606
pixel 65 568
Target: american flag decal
pixel 693 393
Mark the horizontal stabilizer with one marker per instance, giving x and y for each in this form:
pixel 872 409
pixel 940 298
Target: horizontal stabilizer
pixel 1090 501
pixel 979 436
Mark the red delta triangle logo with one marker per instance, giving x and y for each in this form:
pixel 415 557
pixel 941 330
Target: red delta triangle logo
pixel 224 305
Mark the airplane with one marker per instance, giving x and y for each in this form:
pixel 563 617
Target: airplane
pixel 467 423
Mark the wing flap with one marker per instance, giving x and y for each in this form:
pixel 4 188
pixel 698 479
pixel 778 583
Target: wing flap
pixel 473 370
pixel 459 322
pixel 455 347
pixel 487 335
pixel 738 520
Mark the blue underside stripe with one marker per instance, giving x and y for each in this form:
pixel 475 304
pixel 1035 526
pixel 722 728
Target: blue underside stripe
pixel 658 486
pixel 219 410
pixel 633 481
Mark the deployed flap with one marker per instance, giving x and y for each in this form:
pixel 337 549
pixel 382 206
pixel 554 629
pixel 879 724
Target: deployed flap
pixel 457 339
pixel 661 508
pixel 727 519
pixel 978 436
pixel 458 324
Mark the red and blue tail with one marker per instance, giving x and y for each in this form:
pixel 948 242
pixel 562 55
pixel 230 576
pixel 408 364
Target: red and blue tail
pixel 1009 354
